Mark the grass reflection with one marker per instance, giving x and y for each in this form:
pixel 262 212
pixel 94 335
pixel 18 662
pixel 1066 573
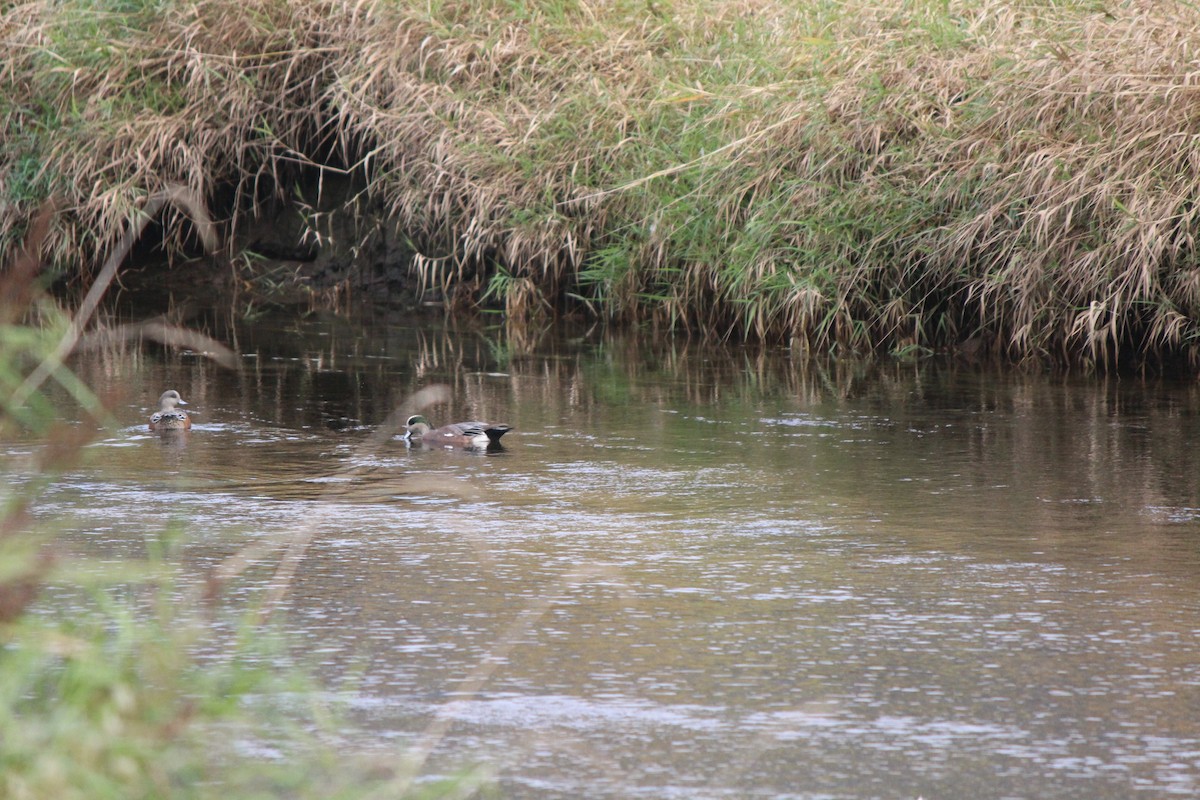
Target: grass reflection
pixel 652 485
pixel 142 680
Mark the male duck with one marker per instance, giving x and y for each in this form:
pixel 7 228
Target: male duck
pixel 467 435
pixel 168 417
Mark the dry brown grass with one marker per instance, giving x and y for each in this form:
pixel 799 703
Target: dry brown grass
pixel 896 175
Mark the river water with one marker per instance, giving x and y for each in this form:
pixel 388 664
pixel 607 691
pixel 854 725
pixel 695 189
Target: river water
pixel 694 571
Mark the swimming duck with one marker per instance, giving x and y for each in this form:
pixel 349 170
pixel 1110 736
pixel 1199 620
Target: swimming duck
pixel 467 435
pixel 168 417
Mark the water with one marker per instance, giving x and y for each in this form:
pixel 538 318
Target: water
pixel 693 572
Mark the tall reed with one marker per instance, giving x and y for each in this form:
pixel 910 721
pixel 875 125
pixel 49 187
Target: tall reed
pixel 898 175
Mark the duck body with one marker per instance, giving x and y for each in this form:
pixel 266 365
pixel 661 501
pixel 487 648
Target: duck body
pixel 168 417
pixel 464 435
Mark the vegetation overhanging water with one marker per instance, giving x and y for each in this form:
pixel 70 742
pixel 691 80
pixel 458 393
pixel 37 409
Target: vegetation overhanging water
pixel 971 178
pixel 990 177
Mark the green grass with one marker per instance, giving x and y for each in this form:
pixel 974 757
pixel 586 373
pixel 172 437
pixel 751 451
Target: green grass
pixel 141 679
pixel 849 175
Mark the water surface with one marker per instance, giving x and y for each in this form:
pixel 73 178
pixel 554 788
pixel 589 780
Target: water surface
pixel 694 571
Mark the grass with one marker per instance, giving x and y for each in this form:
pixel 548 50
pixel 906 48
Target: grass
pixel 843 175
pixel 142 680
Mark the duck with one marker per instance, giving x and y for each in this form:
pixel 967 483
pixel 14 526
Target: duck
pixel 168 417
pixel 466 435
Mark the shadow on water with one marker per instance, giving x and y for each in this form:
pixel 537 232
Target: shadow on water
pixel 694 571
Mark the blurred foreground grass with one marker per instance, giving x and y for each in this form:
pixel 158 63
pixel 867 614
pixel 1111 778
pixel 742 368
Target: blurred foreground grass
pixel 140 681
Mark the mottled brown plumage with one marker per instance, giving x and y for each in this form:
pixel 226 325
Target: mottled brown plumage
pixel 168 417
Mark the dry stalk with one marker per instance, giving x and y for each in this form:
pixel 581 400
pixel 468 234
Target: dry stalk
pixel 767 171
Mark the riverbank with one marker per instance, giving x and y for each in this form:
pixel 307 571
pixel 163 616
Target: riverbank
pixel 901 177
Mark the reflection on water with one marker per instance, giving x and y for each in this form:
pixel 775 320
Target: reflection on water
pixel 696 571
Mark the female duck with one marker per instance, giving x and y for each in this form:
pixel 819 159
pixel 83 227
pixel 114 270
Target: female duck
pixel 467 435
pixel 168 417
